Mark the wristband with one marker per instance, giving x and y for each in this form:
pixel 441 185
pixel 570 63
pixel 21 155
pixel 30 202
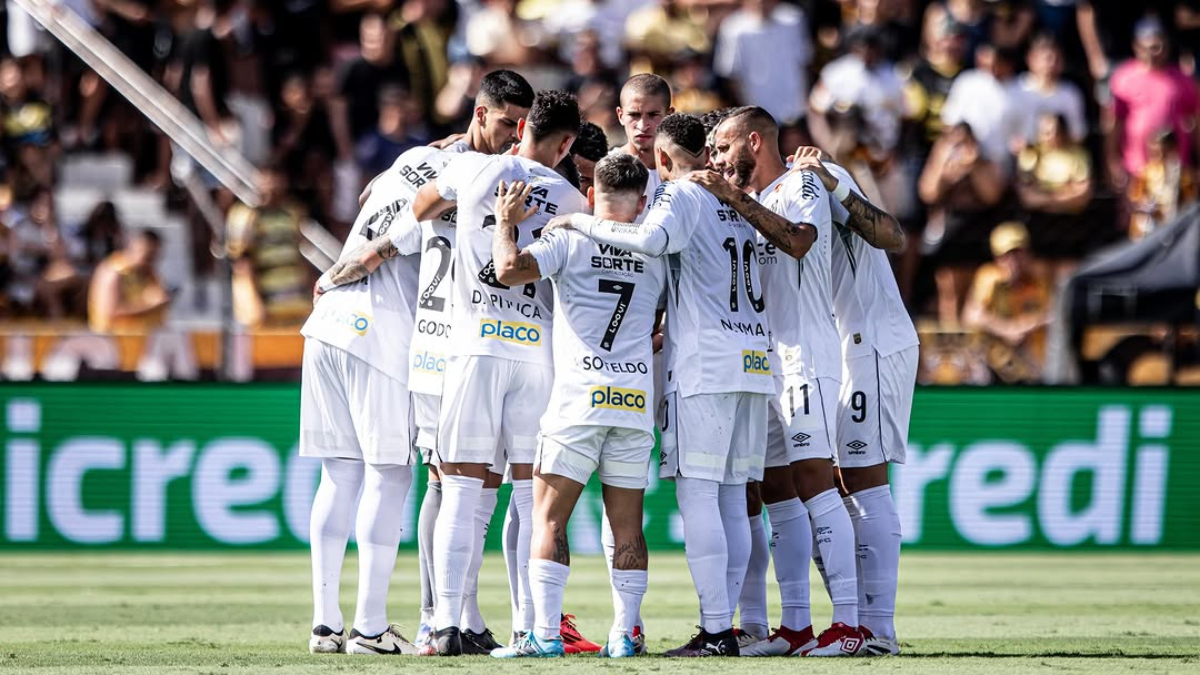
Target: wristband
pixel 324 284
pixel 841 191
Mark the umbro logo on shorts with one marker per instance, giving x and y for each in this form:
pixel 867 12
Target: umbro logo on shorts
pixel 801 439
pixel 856 447
pixel 527 334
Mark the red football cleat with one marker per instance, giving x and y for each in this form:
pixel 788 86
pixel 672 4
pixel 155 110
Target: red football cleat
pixel 573 642
pixel 837 640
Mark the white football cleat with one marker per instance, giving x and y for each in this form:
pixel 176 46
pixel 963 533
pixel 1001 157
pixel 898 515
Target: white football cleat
pixel 389 642
pixel 837 640
pixel 325 641
pixel 783 642
pixel 745 639
pixel 874 645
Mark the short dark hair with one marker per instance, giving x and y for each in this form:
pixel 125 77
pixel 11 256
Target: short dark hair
pixel 713 118
pixel 754 118
pixel 591 144
pixel 621 173
pixel 648 84
pixel 567 169
pixel 553 111
pixel 684 130
pixel 504 86
pixel 149 235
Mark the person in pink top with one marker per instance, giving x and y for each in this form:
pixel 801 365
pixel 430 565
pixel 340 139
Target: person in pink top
pixel 1149 94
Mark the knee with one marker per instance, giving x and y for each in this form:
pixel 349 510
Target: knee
pixel 777 486
pixel 865 478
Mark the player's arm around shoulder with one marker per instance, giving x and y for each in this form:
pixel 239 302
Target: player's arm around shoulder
pixel 793 238
pixel 876 226
pixel 513 266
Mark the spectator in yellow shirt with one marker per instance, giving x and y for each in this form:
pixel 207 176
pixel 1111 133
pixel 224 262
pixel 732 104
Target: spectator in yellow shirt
pixel 126 295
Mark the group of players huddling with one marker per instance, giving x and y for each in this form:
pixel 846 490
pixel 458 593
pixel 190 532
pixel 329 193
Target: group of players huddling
pixel 496 322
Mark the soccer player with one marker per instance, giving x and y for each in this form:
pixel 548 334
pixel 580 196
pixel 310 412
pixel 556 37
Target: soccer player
pixel 600 415
pixel 589 148
pixel 498 377
pixel 798 485
pixel 879 374
pixel 645 102
pixel 504 98
pixel 718 374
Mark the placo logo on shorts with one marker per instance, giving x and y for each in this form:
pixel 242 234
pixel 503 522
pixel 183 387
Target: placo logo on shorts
pixel 429 362
pixel 360 323
pixel 615 398
pixel 755 363
pixel 527 334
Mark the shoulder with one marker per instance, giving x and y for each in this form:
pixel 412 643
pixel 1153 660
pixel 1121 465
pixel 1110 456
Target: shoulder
pixel 803 186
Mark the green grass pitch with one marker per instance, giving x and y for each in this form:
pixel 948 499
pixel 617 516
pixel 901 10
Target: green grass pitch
pixel 249 613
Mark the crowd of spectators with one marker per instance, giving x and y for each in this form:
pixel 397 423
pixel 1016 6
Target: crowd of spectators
pixel 1067 123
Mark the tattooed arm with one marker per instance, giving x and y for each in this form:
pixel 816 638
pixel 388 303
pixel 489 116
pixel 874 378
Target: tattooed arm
pixel 513 266
pixel 876 226
pixel 792 238
pixel 356 264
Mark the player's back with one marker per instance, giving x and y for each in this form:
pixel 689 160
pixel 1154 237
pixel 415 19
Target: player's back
pixel 489 318
pixel 605 302
pixel 373 318
pixel 716 321
pixel 870 311
pixel 800 292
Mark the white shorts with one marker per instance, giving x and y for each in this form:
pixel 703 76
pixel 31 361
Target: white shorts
pixel 621 455
pixel 717 437
pixel 351 410
pixel 874 408
pixel 426 408
pixel 802 420
pixel 491 408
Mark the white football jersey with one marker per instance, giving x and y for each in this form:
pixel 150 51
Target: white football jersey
pixel 431 331
pixel 373 317
pixel 803 331
pixel 864 286
pixel 489 318
pixel 605 301
pixel 717 336
pixel 652 184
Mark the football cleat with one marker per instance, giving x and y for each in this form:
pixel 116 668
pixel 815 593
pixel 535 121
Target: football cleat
pixel 479 644
pixel 444 642
pixel 639 641
pixel 325 641
pixel 389 642
pixel 517 637
pixel 745 639
pixel 708 644
pixel 877 646
pixel 837 640
pixel 423 633
pixel 783 642
pixel 573 642
pixel 531 646
pixel 623 648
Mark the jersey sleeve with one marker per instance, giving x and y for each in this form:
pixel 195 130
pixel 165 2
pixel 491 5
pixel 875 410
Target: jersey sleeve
pixel 406 232
pixel 673 209
pixel 551 251
pixel 457 175
pixel 809 201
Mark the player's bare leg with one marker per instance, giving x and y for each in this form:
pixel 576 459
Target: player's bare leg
pixel 833 540
pixel 877 531
pixel 630 561
pixel 791 546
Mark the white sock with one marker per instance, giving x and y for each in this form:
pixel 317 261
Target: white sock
pixel 877 530
pixel 548 582
pixel 512 532
pixel 835 540
pixel 629 587
pixel 753 600
pixel 453 545
pixel 610 549
pixel 736 524
pixel 471 618
pixel 791 543
pixel 522 496
pixel 707 554
pixel 426 520
pixel 328 531
pixel 377 530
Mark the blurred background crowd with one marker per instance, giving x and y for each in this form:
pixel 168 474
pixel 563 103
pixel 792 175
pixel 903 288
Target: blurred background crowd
pixel 1013 138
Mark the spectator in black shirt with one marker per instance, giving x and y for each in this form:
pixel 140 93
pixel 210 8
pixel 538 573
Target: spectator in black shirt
pixel 363 77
